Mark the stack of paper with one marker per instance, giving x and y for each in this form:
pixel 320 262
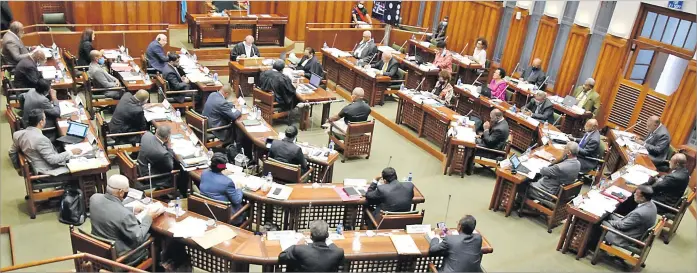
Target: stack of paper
pixel 215 236
pixel 130 76
pixel 48 72
pixel 535 164
pixel 544 154
pixel 67 108
pixel 84 147
pixel 189 227
pixel 578 110
pixel 465 133
pixel 533 121
pixel 81 164
pixel 526 86
pixel 642 169
pixel 598 204
pixel 636 178
pixel 261 128
pixel 404 244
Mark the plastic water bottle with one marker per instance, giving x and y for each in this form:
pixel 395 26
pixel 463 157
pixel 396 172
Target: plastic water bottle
pixel 210 153
pixel 215 77
pixel 514 109
pixel 269 178
pixel 57 78
pixel 402 88
pixel 546 126
pixel 178 206
pixel 331 145
pixel 325 45
pixel 356 246
pixel 632 158
pixel 340 229
pixel 178 115
pixel 410 177
pixel 258 113
pixel 459 81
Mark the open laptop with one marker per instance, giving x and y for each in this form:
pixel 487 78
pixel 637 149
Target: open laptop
pixel 569 101
pixel 77 132
pixel 315 80
pixel 515 164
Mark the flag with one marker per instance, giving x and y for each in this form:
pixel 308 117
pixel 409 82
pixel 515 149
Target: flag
pixel 183 8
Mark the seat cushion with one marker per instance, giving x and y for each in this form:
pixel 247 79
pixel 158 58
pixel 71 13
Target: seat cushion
pixel 210 136
pixel 54 18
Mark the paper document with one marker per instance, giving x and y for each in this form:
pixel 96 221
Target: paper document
pixel 642 169
pixel 81 164
pixel 544 154
pixel 418 229
pixel 85 147
pixel 535 164
pixel 465 133
pixel 217 235
pixel 278 235
pixel 353 182
pixel 287 242
pixel 404 244
pixel 257 128
pixel 189 227
pixel 533 121
pixel 130 76
pixel 636 178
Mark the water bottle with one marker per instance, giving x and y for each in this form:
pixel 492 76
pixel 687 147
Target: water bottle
pixel 56 78
pixel 325 45
pixel 258 113
pixel 546 127
pixel 215 77
pixel 410 177
pixel 514 109
pixel 178 115
pixel 269 178
pixel 459 81
pixel 356 246
pixel 178 206
pixel 340 229
pixel 402 88
pixel 331 145
pixel 632 158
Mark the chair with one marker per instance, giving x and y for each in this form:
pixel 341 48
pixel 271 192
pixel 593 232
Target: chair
pixel 163 93
pixel 559 120
pixel 129 168
pixel 674 214
pixel 481 152
pixel 395 85
pixel 397 47
pixel 112 140
pixel 663 167
pixel 145 64
pixel 12 93
pixel 8 230
pixel 596 174
pixel 57 18
pixel 97 97
pixel 74 69
pixel 638 252
pixel 392 220
pixel 269 107
pixel 83 242
pixel 285 173
pixel 35 184
pixel 199 124
pixel 357 140
pixel 14 119
pixel 221 209
pixel 555 210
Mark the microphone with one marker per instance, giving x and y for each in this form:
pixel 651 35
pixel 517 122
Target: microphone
pixel 468 113
pixel 555 122
pixel 463 50
pixel 123 38
pixel 388 161
pixel 447 208
pixel 631 126
pixel 475 80
pixel 52 41
pixel 543 83
pixel 527 151
pixel 334 39
pixel 446 39
pixel 417 87
pixel 215 223
pixel 515 69
pixel 571 91
pixel 403 44
pixel 371 58
pixel 241 91
pixel 150 179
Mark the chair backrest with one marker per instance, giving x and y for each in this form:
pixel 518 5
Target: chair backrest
pixel 649 237
pixel 127 166
pixel 569 192
pixel 103 127
pixel 359 128
pixel 283 172
pixel 70 61
pixel 144 61
pixel 197 203
pixel 84 242
pixel 12 119
pixel 401 74
pixel 161 82
pixel 198 123
pixel 264 97
pixel 400 221
pixel 53 18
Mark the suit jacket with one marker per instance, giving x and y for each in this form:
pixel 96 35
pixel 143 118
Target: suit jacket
pixel 173 78
pixel 592 102
pixel 34 100
pixel 160 158
pixel 84 53
pixel 314 257
pixel 287 152
pixel 671 187
pixel 392 67
pixel 589 147
pixel 238 50
pixel 536 77
pixel 546 112
pixel 156 56
pixel 556 176
pixel 220 187
pixel 496 136
pixel 220 112
pixel 101 77
pixel 369 49
pixel 111 220
pixel 312 66
pixel 40 151
pixel 657 143
pixel 13 49
pixel 634 225
pixel 394 196
pixel 128 116
pixel 27 75
pixel 462 252
pixel 439 32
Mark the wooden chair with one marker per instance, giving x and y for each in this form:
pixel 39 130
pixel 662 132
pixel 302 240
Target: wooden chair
pixel 285 173
pixel 392 220
pixel 75 71
pixel 7 230
pixel 357 141
pixel 83 242
pixel 555 210
pixel 129 168
pixel 638 251
pixel 394 86
pixel 481 152
pixel 36 183
pixel 674 214
pixel 11 93
pixel 145 64
pixel 199 124
pixel 221 209
pixel 269 107
pixel 97 97
pixel 596 174
pixel 112 140
pixel 163 93
pixel 14 119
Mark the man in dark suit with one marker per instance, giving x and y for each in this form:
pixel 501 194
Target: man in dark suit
pixel 635 223
pixel 589 146
pixel 541 108
pixel 221 112
pixel 128 115
pixel 39 99
pixel 27 74
pixel 495 132
pixel 558 175
pixel 387 66
pixel 286 151
pixel 156 152
pixel 155 53
pixel 462 252
pixel 244 49
pixel 671 187
pixel 365 50
pixel 534 74
pixel 175 80
pixel 13 49
pixel 314 257
pixel 657 142
pixel 309 64
pixel 273 80
pixel 390 195
pixel 439 31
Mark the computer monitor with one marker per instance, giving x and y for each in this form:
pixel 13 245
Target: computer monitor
pixel 315 80
pixel 77 129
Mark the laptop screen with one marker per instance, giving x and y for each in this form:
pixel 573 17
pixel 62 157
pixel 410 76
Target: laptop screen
pixel 77 129
pixel 515 162
pixel 315 80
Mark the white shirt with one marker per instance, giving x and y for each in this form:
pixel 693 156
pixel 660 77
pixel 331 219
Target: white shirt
pixel 359 49
pixel 247 50
pixel 479 56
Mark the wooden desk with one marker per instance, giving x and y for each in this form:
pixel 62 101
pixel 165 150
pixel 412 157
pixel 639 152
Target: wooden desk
pixel 619 156
pixel 468 72
pixel 346 74
pixel 65 82
pixel 205 29
pixel 414 47
pixel 428 121
pixel 244 77
pixel 320 95
pixel 416 74
pixel 459 156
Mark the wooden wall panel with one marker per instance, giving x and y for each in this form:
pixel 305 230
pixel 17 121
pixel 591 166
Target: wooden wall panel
pixel 514 42
pixel 572 60
pixel 469 21
pixel 679 116
pixel 544 41
pixel 607 71
pixel 22 11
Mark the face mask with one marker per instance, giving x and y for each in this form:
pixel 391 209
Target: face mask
pixel 441 82
pixel 360 6
pixel 535 68
pixel 100 61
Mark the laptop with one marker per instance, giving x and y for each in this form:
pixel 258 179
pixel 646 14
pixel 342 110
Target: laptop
pixel 515 163
pixel 569 101
pixel 77 132
pixel 315 80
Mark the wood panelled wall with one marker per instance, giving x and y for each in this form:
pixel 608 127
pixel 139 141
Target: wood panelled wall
pixel 607 72
pixel 469 21
pixel 410 13
pixel 679 116
pixel 572 59
pixel 514 43
pixel 544 41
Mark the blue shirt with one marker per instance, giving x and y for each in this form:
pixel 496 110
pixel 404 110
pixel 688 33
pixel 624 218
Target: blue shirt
pixel 220 187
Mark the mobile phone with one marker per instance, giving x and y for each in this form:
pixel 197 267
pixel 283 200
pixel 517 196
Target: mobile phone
pixel 442 227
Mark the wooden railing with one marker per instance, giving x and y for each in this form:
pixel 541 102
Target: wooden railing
pixel 87 262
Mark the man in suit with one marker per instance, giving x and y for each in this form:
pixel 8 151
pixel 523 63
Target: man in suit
pixel 286 151
pixel 39 99
pixel 309 64
pixel 156 152
pixel 462 252
pixel 366 49
pixel 534 74
pixel 101 78
pixel 541 108
pixel 587 97
pixel 387 66
pixel 314 257
pixel 128 115
pixel 155 53
pixel 244 49
pixel 588 146
pixel 27 74
pixel 637 222
pixel 439 31
pixel 221 112
pixel 175 80
pixel 495 132
pixel 38 148
pixel 558 175
pixel 13 49
pixel 389 194
pixel 275 81
pixel 357 111
pixel 671 187
pixel 657 142
pixel 111 220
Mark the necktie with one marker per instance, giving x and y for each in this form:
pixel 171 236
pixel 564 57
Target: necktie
pixel 582 99
pixel 537 110
pixel 583 140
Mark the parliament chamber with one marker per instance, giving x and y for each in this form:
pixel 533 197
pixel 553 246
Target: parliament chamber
pixel 499 136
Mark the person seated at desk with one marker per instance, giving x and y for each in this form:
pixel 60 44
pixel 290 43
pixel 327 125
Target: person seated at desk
pixel 366 49
pixel 443 88
pixel 85 47
pixel 309 64
pixel 390 194
pixel 498 85
pixel 39 99
pixel 221 112
pixel 495 133
pixel 360 16
pixel 439 31
pixel 541 108
pixel 589 146
pixel 13 49
pixel 462 252
pixel 282 87
pixel 287 151
pixel 244 49
pixel 534 74
pixel 657 142
pixel 357 111
pixel 635 223
pixel 444 58
pixel 38 148
pixel 386 66
pixel 558 175
pixel 111 220
pixel 216 185
pixel 314 257
pixel 669 188
pixel 128 115
pixel 479 54
pixel 587 97
pixel 27 74
pixel 155 53
pixel 101 78
pixel 175 80
pixel 156 157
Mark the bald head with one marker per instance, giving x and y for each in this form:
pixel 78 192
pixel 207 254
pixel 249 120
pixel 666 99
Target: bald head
pixel 386 56
pixel 537 63
pixel 249 40
pixel 39 56
pixel 117 185
pixel 591 125
pixel 495 115
pixel 17 28
pixel 679 160
pixel 367 35
pixel 161 39
pixel 95 55
pixel 357 93
pixel 652 123
pixel 142 95
pixel 588 84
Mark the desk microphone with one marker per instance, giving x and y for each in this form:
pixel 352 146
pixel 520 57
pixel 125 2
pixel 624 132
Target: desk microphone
pixel 543 83
pixel 631 126
pixel 516 69
pixel 152 190
pixel 403 44
pixel 333 42
pixel 123 38
pixel 388 161
pixel 52 41
pixel 417 87
pixel 215 223
pixel 446 39
pixel 468 113
pixel 447 208
pixel 557 120
pixel 571 91
pixel 475 80
pixel 463 50
pixel 527 151
pixel 241 91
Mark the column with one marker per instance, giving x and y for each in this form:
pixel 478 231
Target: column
pixel 503 30
pixel 436 15
pixel 420 19
pixel 602 22
pixel 567 21
pixel 537 10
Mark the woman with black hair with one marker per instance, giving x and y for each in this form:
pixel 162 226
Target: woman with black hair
pixel 83 57
pixel 216 185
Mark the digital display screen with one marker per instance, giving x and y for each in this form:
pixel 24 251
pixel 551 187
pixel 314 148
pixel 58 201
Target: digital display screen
pixel 388 12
